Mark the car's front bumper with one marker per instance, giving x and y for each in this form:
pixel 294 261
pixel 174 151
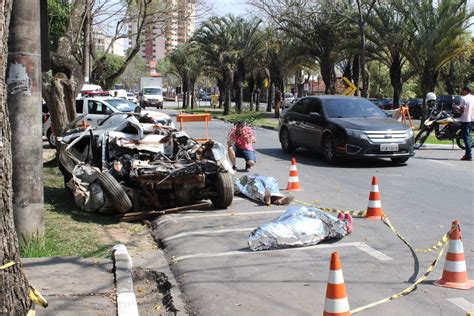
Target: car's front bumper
pixel 360 148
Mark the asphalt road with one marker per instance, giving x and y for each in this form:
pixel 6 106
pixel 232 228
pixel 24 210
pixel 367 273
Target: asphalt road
pixel 219 275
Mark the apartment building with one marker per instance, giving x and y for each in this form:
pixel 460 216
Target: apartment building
pixel 161 38
pixel 102 42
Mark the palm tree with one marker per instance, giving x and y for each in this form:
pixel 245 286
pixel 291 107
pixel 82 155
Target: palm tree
pixel 249 45
pixel 284 56
pixel 185 64
pixel 216 42
pixel 437 35
pixel 386 37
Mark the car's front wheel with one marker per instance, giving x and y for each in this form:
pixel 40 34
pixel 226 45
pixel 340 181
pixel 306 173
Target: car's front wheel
pixel 328 149
pixel 114 192
pixel 224 193
pixel 285 139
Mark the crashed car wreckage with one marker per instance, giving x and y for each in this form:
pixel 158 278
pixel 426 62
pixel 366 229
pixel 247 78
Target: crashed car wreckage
pixel 129 163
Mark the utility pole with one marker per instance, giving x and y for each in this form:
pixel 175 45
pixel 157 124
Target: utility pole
pixel 23 79
pixel 86 48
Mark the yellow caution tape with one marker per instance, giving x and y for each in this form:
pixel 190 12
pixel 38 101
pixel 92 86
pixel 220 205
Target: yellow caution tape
pixel 443 241
pixel 7 265
pixel 36 297
pixel 406 291
pixel 333 210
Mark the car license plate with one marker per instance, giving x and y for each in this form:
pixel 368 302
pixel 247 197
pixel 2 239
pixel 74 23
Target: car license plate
pixel 389 147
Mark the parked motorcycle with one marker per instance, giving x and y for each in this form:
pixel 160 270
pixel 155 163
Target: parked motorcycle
pixel 444 126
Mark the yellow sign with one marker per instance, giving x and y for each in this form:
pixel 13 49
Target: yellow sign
pixel 351 89
pixel 265 83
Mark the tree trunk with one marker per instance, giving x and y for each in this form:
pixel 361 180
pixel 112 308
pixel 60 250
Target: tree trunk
pixel 193 101
pixel 365 83
pixel 257 100
pixel 429 80
pixel 299 84
pixel 270 96
pixel 327 72
pixel 396 78
pixel 356 71
pixel 227 95
pixel 221 87
pixel 13 284
pixel 251 87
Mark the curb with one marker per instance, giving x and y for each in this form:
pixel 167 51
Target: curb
pixel 126 300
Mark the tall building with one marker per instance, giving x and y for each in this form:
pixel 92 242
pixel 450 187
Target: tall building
pixel 102 42
pixel 161 38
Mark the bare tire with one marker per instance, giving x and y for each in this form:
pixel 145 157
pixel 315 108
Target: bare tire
pixel 114 192
pixel 421 138
pixel 51 138
pixel 328 149
pixel 285 140
pixel 224 184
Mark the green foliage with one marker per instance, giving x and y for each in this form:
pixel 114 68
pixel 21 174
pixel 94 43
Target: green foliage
pixel 111 64
pixel 437 32
pixel 134 71
pixel 58 19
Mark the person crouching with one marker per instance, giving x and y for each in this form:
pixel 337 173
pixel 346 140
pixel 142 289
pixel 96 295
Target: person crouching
pixel 240 140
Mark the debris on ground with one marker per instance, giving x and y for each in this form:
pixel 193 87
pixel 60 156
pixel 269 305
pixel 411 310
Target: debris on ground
pixel 299 226
pixel 262 189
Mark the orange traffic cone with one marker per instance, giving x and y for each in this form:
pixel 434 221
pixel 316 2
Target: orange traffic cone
pixel 374 210
pixel 293 180
pixel 455 272
pixel 336 303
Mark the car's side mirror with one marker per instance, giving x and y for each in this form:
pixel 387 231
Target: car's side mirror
pixel 315 117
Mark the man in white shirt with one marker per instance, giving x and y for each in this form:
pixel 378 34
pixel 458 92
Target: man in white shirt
pixel 467 117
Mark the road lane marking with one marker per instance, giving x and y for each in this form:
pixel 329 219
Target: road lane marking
pixel 208 232
pixel 463 304
pixel 366 248
pixel 227 214
pixel 373 252
pixel 442 162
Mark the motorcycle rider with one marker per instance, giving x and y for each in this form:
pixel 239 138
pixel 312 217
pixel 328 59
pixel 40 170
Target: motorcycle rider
pixel 467 117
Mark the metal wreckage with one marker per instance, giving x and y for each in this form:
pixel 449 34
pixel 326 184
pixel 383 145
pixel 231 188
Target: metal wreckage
pixel 128 164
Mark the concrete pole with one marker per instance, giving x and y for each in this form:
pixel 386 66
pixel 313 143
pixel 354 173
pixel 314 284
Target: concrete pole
pixel 86 48
pixel 23 79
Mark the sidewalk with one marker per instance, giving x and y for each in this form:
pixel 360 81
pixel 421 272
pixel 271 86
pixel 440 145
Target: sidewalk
pixel 73 285
pixel 78 286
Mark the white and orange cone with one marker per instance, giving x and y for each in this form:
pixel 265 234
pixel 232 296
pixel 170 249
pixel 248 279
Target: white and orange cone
pixel 455 271
pixel 336 303
pixel 293 180
pixel 374 210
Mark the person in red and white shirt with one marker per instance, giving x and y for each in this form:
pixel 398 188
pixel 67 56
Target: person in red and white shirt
pixel 240 140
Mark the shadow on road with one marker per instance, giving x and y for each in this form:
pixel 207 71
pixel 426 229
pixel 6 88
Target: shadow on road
pixel 314 159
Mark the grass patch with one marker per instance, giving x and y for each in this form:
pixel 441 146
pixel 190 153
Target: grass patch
pixel 70 231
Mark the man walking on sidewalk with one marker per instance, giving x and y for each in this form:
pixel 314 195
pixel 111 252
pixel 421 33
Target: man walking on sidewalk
pixel 467 117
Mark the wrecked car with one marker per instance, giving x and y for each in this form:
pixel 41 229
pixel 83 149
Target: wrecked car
pixel 130 163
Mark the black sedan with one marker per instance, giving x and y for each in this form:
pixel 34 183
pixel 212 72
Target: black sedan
pixel 339 126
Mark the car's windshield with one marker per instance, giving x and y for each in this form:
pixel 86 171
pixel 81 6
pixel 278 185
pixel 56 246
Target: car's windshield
pixel 152 91
pixel 122 105
pixel 350 108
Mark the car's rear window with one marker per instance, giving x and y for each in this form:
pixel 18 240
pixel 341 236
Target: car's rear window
pixel 351 107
